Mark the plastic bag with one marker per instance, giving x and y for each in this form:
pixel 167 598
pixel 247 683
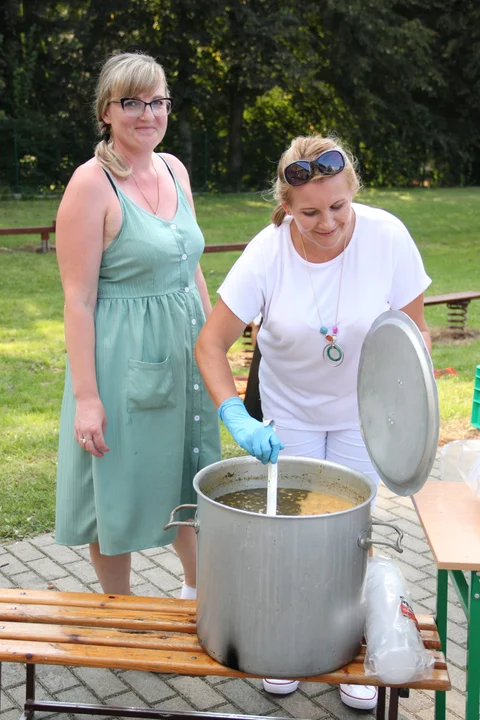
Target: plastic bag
pixel 395 652
pixel 460 460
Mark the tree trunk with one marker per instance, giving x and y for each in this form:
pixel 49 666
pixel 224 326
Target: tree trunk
pixel 234 164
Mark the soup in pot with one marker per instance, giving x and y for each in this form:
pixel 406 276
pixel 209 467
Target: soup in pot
pixel 290 501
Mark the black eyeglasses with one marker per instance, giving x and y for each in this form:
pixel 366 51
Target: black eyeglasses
pixel 300 172
pixel 135 108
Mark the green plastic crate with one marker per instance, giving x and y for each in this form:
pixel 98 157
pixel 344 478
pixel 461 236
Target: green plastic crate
pixel 476 400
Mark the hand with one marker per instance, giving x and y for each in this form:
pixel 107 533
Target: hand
pixel 89 427
pixel 250 434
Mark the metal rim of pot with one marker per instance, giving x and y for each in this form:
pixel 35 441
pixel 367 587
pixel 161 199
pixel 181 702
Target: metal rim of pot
pixel 365 540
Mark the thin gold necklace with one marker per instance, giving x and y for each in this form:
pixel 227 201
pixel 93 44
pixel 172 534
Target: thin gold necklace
pixel 158 191
pixel 332 352
pixel 326 247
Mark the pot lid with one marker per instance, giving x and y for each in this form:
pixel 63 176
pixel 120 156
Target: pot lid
pixel 398 402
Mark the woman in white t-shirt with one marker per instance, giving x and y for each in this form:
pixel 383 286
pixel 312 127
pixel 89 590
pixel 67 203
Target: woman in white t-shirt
pixel 319 275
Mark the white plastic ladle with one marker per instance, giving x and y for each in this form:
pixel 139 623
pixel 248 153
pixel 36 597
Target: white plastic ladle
pixel 272 481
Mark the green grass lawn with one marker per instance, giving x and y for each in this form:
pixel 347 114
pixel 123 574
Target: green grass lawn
pixel 445 224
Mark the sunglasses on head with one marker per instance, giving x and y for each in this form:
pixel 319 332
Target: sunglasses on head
pixel 300 172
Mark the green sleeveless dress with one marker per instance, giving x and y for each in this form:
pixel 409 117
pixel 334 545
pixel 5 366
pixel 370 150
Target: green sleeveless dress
pixel 161 424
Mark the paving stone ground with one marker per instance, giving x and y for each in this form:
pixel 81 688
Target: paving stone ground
pixel 39 563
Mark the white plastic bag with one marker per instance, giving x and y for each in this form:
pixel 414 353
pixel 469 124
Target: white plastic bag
pixel 460 460
pixel 395 653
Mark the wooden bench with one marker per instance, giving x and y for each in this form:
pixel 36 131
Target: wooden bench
pixel 457 306
pixel 225 248
pixel 44 232
pixel 148 634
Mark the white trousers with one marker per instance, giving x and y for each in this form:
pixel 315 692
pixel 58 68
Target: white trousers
pixel 345 447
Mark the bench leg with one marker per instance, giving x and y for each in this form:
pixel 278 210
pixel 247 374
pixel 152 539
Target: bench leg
pixel 395 694
pixel 441 621
pixel 29 707
pixel 473 649
pixel 457 316
pixel 380 714
pixel 45 243
pixel 393 705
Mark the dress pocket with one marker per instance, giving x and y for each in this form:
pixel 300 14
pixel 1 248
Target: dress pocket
pixel 150 385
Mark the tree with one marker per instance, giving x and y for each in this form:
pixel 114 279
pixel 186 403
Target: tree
pixel 398 79
pixel 382 67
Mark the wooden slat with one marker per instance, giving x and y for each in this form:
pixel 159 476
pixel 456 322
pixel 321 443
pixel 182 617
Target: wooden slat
pixel 36 632
pixel 431 639
pixel 426 622
pixel 110 657
pixel 452 297
pixel 355 674
pixel 185 663
pixel 95 600
pixel 95 617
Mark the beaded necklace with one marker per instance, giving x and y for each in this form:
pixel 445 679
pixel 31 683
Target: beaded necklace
pixel 332 352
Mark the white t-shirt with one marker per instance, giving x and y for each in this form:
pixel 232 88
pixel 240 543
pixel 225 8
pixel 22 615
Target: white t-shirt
pixel 382 270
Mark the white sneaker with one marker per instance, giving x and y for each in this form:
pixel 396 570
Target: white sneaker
pixel 280 687
pixel 360 697
pixel 188 593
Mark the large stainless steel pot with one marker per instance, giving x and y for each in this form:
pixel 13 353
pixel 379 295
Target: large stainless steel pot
pixel 281 596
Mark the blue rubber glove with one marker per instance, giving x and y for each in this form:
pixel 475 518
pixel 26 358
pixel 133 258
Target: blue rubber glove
pixel 254 437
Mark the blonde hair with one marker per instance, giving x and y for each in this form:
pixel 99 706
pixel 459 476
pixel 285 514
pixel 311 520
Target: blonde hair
pixel 309 147
pixel 123 75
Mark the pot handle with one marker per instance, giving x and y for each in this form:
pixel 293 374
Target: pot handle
pixel 365 540
pixel 189 523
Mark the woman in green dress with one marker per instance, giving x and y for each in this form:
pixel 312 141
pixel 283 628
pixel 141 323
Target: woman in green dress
pixel 136 422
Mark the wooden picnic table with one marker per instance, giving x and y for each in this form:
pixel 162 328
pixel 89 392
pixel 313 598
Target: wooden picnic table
pixel 450 516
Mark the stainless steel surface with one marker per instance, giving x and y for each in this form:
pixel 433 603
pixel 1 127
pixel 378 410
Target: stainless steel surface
pixel 179 523
pixel 398 402
pixel 366 541
pixel 281 596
